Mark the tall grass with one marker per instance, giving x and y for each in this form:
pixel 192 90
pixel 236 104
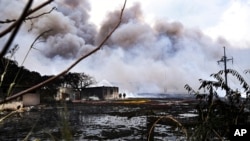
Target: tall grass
pixel 64 124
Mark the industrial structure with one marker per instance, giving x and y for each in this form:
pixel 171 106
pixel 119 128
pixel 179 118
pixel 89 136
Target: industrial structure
pixel 101 91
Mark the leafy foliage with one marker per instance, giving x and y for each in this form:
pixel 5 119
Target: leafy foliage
pixel 216 114
pixel 77 81
pixel 8 70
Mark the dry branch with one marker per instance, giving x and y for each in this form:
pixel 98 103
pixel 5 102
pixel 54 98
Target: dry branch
pixel 32 45
pixel 18 24
pixel 7 30
pixel 28 18
pixel 71 66
pixel 19 70
pixel 170 118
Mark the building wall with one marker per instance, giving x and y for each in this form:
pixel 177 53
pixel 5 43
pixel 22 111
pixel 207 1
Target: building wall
pixel 67 94
pixel 110 92
pixel 103 93
pixel 31 99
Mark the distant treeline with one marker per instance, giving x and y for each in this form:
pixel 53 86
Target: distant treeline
pixel 19 76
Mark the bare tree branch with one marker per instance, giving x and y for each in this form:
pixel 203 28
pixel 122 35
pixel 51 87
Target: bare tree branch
pixel 16 28
pixel 247 71
pixel 31 47
pixel 7 30
pixel 71 66
pixel 27 18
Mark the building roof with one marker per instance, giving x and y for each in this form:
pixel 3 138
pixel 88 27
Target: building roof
pixel 102 83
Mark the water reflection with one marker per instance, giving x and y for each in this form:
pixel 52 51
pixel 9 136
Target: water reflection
pixel 85 123
pixel 103 126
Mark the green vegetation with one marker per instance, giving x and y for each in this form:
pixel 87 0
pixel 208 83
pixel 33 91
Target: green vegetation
pixel 9 69
pixel 65 128
pixel 217 114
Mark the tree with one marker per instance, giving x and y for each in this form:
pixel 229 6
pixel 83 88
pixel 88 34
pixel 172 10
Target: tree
pixel 10 79
pixel 49 91
pixel 8 69
pixel 216 115
pixel 15 27
pixel 78 81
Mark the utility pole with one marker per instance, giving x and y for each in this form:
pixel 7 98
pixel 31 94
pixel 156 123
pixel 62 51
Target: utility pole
pixel 224 60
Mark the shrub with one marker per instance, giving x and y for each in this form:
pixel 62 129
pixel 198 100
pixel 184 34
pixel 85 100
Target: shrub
pixel 217 114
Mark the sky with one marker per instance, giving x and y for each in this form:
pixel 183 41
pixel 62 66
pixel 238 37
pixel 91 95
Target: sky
pixel 160 46
pixel 226 18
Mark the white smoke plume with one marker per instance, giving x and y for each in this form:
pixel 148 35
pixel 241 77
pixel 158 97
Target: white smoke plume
pixel 138 57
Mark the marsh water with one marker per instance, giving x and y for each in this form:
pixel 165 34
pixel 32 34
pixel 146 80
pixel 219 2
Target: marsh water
pixel 98 122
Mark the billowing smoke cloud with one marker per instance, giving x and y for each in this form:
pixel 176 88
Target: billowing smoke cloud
pixel 132 14
pixel 138 57
pixel 70 27
pixel 158 58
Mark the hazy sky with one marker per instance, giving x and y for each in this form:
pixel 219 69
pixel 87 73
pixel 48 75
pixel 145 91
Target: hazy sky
pixel 227 18
pixel 216 18
pixel 160 45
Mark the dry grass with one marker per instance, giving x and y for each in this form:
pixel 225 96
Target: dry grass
pixel 138 101
pixel 171 118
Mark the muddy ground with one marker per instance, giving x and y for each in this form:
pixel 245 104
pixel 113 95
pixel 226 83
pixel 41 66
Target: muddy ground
pixel 129 119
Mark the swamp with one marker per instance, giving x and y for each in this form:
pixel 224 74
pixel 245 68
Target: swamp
pixel 131 119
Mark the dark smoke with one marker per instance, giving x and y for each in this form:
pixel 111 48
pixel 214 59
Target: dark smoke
pixel 71 29
pixel 132 14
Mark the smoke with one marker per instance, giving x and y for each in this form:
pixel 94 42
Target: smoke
pixel 138 57
pixel 132 14
pixel 71 30
pixel 159 58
